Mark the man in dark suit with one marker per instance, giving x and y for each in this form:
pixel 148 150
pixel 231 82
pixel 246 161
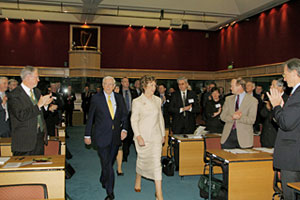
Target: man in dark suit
pixel 270 126
pixel 184 107
pixel 109 112
pixel 52 116
pixel 12 84
pixel 128 95
pixel 137 87
pixel 26 106
pixel 287 145
pixel 85 104
pixel 165 102
pixel 4 116
pixel 250 86
pixel 69 99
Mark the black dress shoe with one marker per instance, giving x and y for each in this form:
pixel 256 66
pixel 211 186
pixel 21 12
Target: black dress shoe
pixel 120 174
pixel 110 197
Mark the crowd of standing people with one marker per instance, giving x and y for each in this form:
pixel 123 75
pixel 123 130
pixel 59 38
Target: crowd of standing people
pixel 119 115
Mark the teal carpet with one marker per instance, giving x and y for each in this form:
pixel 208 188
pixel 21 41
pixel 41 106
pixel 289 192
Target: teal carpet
pixel 85 185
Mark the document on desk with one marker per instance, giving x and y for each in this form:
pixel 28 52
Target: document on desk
pixel 240 151
pixel 13 165
pixel 264 149
pixel 3 160
pixel 17 164
pixel 192 136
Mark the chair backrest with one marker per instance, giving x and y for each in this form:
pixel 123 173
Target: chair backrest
pixel 211 143
pixel 23 191
pixel 53 148
pixel 256 142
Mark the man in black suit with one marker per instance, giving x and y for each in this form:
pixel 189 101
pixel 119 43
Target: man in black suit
pixel 4 115
pixel 270 126
pixel 109 113
pixel 69 99
pixel 85 104
pixel 12 84
pixel 128 95
pixel 26 106
pixel 165 102
pixel 184 107
pixel 250 86
pixel 287 145
pixel 137 87
pixel 52 115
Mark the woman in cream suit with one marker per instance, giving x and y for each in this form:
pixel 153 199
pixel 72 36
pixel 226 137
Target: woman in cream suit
pixel 149 135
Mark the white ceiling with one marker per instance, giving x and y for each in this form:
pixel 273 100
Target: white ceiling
pixel 198 14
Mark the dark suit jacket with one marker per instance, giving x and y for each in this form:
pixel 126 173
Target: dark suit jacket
pixel 179 120
pixel 4 125
pixel 287 145
pixel 132 92
pixel 53 118
pixel 270 127
pixel 213 124
pixel 106 131
pixel 165 109
pixel 69 103
pixel 86 99
pixel 23 116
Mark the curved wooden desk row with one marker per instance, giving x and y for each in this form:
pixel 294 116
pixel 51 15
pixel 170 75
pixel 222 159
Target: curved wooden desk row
pixel 250 175
pixel 5 145
pixel 191 152
pixel 53 175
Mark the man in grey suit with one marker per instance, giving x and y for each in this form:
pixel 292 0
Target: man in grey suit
pixel 287 145
pixel 4 117
pixel 239 114
pixel 26 105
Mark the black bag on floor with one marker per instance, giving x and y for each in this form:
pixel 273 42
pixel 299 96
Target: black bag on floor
pixel 218 190
pixel 168 164
pixel 70 171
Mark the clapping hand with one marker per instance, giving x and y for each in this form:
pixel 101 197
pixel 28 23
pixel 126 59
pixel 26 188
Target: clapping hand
pixel 237 115
pixel 275 97
pixel 45 100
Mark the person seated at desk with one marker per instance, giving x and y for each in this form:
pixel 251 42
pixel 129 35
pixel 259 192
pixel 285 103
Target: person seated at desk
pixel 213 109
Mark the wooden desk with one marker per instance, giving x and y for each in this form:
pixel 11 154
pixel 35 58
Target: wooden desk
pixel 53 175
pixel 5 145
pixel 191 152
pixel 296 187
pixel 250 176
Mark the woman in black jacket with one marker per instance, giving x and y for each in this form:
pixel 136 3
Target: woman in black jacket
pixel 213 109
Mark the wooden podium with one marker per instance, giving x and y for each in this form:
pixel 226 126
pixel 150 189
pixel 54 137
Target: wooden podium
pixel 84 63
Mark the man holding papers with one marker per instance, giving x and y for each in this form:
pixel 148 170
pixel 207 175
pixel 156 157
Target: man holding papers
pixel 287 115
